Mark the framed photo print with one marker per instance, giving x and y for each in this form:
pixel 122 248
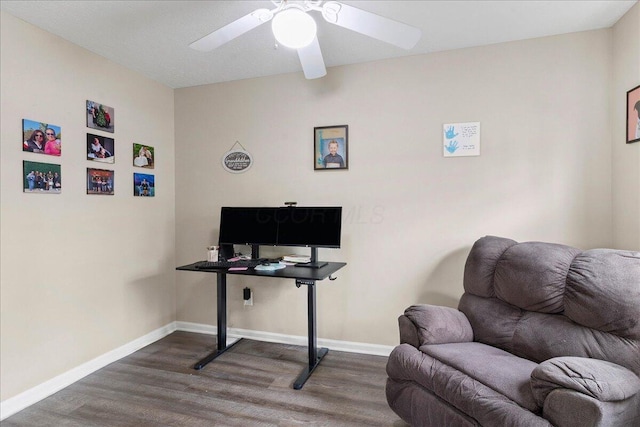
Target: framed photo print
pixel 101 148
pixel 144 185
pixel 42 138
pixel 41 178
pixel 633 115
pixel 331 147
pixel 143 156
pixel 100 117
pixel 100 181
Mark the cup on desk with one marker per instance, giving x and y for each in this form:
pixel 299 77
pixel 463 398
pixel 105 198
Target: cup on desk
pixel 212 253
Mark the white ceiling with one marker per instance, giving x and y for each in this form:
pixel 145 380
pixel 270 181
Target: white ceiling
pixel 152 37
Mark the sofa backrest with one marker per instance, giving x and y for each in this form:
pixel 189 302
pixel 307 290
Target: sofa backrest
pixel 542 300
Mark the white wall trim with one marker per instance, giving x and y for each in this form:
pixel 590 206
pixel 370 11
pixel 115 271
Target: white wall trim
pixel 27 398
pixel 351 347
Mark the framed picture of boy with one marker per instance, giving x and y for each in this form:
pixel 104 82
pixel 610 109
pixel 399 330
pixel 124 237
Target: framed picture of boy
pixel 331 147
pixel 633 115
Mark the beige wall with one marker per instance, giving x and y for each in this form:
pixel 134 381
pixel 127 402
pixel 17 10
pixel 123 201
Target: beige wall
pixel 410 214
pixel 626 157
pixel 81 275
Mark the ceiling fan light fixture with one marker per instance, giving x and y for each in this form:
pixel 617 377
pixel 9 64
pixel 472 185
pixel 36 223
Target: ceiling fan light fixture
pixel 294 28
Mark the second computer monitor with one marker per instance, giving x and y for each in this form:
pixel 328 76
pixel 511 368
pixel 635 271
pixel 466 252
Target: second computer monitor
pixel 309 226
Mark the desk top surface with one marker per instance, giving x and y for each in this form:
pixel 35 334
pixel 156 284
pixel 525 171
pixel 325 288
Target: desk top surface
pixel 289 272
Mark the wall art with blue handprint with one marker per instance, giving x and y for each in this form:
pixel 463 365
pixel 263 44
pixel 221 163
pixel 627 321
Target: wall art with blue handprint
pixel 461 139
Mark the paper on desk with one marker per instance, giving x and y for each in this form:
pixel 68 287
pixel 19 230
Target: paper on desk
pixel 271 267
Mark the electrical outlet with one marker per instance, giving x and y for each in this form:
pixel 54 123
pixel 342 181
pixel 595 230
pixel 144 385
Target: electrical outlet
pixel 249 301
pixel 247 295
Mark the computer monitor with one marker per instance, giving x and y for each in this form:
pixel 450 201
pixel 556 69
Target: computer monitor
pixel 318 227
pixel 248 226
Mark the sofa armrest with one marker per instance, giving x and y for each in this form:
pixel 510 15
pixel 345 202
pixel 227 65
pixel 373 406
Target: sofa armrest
pixel 431 324
pixel 599 379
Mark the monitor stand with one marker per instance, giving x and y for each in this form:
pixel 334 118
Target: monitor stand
pixel 314 263
pixel 255 251
pixel 226 252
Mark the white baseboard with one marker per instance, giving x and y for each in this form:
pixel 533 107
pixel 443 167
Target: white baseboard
pixel 27 398
pixel 351 347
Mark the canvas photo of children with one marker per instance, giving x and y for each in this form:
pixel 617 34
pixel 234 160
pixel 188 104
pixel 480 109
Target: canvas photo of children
pixel 144 185
pixel 101 148
pixel 100 181
pixel 41 178
pixel 100 116
pixel 143 156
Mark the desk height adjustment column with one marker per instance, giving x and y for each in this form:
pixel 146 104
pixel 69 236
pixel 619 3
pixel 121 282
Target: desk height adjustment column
pixel 315 354
pixel 222 323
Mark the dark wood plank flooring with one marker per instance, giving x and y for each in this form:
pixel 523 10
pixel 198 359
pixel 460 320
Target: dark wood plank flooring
pixel 249 385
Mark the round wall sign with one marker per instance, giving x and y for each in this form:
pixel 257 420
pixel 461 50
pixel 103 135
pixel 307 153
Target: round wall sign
pixel 237 161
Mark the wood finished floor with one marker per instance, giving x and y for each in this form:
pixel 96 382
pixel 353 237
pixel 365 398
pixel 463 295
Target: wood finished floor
pixel 250 385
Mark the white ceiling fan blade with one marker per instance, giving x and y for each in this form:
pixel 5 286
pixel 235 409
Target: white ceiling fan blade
pixel 370 24
pixel 311 60
pixel 232 30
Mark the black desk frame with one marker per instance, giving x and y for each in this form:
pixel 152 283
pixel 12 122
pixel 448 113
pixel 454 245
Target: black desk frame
pixel 303 276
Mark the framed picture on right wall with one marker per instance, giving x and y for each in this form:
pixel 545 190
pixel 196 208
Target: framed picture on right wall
pixel 633 115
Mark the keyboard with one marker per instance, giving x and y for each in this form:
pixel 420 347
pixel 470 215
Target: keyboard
pixel 212 265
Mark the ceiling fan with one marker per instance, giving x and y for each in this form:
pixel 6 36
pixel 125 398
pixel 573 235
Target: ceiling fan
pixel 294 27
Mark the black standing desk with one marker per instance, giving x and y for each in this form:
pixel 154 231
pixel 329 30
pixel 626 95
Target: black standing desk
pixel 303 276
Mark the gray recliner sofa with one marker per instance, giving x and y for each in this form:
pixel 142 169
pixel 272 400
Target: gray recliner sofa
pixel 544 335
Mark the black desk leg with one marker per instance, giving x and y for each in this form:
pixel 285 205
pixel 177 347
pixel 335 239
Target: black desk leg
pixel 222 323
pixel 315 355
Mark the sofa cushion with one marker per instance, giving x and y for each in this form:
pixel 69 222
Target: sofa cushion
pixel 501 371
pixel 603 292
pixel 480 267
pixel 532 276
